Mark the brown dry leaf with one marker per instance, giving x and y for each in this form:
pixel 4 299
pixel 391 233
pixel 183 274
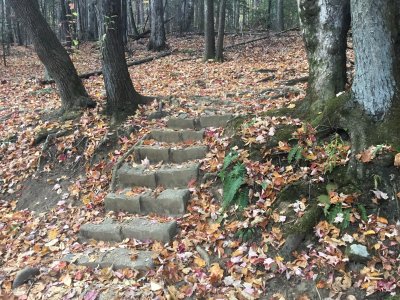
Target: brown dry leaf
pixel 397 160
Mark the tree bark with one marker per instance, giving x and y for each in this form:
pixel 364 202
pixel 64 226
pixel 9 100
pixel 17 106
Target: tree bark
pixel 209 35
pixel 122 99
pixel 325 24
pixel 221 31
pixel 376 80
pixel 279 15
pixel 157 35
pixel 53 56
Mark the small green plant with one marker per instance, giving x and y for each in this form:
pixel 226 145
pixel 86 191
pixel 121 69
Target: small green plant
pixel 247 234
pixel 334 213
pixel 332 150
pixel 233 176
pixel 295 154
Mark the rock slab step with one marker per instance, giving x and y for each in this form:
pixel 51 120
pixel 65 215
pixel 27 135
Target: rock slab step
pixel 170 202
pixel 197 123
pixel 136 228
pixel 167 176
pixel 173 136
pixel 157 154
pixel 119 258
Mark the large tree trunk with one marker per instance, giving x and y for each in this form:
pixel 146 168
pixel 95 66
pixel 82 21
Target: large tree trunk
pixel 52 55
pixel 376 80
pixel 325 25
pixel 209 35
pixel 122 99
pixel 221 31
pixel 157 36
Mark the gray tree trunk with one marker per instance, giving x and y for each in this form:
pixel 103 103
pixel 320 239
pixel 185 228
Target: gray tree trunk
pixel 375 39
pixel 219 56
pixel 325 24
pixel 209 35
pixel 157 41
pixel 52 55
pixel 279 15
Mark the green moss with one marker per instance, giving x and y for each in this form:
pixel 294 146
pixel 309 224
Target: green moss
pixel 282 133
pixel 305 224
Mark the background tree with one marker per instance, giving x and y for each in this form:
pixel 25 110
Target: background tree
pixel 157 35
pixel 122 98
pixel 221 31
pixel 279 15
pixel 209 35
pixel 53 56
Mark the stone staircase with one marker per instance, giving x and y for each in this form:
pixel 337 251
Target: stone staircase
pixel 172 168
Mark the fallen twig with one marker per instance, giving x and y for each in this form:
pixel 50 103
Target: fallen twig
pixel 129 64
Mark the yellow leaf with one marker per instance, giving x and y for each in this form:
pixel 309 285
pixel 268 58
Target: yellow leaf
pixel 369 232
pixel 216 271
pixel 292 105
pixel 67 280
pixel 52 234
pixel 86 200
pixel 200 262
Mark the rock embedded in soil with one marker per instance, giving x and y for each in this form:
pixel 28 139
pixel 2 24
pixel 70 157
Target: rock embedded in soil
pixel 358 253
pixel 24 276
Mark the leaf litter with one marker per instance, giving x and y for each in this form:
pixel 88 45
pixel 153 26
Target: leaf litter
pixel 227 267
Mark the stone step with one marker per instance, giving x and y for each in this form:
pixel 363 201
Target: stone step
pixel 197 123
pixel 118 258
pixel 135 228
pixel 170 202
pixel 157 154
pixel 168 176
pixel 173 136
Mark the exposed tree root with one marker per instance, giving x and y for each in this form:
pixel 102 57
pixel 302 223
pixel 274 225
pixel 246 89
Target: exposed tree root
pixel 50 138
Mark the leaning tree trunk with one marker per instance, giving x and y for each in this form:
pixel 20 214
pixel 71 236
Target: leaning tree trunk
pixel 52 55
pixel 325 25
pixel 122 99
pixel 219 56
pixel 157 36
pixel 209 36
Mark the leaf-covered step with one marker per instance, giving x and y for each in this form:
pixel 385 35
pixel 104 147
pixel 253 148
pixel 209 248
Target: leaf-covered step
pixel 157 154
pixel 197 123
pixel 168 176
pixel 170 202
pixel 135 228
pixel 176 136
pixel 119 258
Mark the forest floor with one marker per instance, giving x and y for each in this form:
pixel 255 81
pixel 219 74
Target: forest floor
pixel 42 208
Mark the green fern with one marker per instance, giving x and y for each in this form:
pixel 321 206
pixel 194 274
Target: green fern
pixel 232 183
pixel 295 153
pixel 228 160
